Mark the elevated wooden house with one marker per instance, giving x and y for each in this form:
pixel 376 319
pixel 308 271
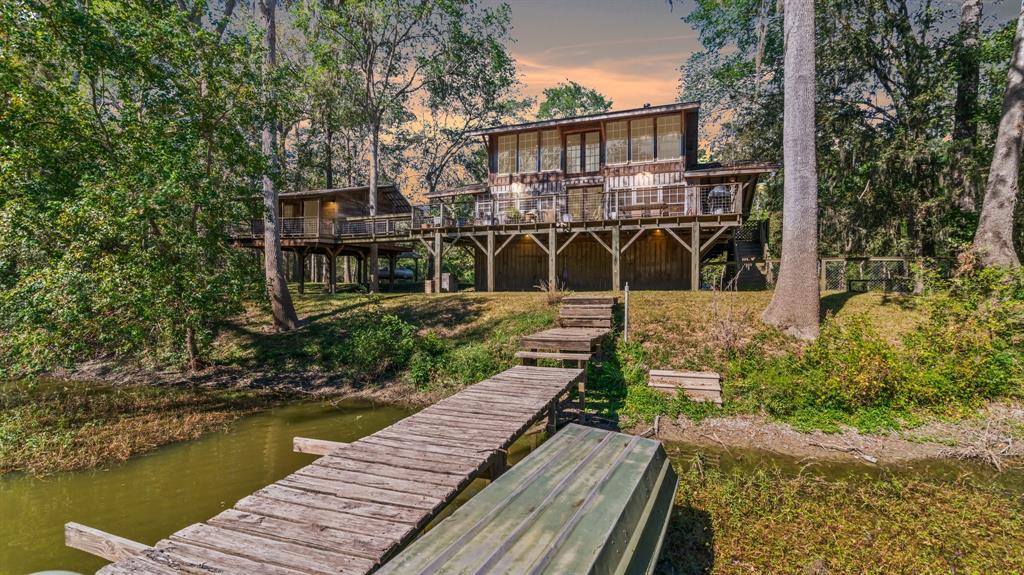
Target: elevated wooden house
pixel 338 222
pixel 593 202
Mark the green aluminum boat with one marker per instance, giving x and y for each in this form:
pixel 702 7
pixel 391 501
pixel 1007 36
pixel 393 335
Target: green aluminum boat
pixel 587 501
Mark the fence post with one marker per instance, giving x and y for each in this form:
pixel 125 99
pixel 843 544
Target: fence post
pixel 625 315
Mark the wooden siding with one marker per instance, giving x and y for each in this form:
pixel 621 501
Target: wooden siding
pixel 653 261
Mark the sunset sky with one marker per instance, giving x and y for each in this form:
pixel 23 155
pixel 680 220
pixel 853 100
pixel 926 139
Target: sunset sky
pixel 629 50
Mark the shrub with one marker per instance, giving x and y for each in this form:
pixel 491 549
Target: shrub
pixel 380 344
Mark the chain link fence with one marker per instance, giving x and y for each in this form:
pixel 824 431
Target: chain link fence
pixel 888 274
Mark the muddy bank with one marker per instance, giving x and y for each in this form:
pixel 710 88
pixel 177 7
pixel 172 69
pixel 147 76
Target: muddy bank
pixel 995 437
pixel 306 384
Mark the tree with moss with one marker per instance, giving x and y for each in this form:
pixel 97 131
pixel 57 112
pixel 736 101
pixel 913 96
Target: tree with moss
pixel 570 99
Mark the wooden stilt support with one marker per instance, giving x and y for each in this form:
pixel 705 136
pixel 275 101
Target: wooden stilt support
pixel 490 261
pixel 346 269
pixel 392 260
pixel 374 270
pixel 552 261
pixel 332 270
pixel 437 262
pixel 302 270
pixel 616 281
pixel 314 446
pixel 695 257
pixel 100 543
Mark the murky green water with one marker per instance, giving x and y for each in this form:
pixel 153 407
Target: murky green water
pixel 151 496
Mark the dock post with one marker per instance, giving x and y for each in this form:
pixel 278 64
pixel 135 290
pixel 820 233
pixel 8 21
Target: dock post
pixel 374 269
pixel 615 259
pixel 553 417
pixel 582 390
pixel 490 261
pixel 552 258
pixel 695 257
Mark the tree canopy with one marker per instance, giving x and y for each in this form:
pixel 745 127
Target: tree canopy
pixel 886 106
pixel 569 99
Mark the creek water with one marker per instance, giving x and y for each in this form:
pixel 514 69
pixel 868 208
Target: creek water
pixel 151 496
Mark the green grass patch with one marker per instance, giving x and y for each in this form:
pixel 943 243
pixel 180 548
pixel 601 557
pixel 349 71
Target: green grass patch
pixel 766 521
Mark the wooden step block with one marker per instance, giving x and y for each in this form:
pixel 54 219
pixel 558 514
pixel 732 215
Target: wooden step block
pixel 557 355
pixel 585 311
pixel 589 300
pixel 697 385
pixel 584 322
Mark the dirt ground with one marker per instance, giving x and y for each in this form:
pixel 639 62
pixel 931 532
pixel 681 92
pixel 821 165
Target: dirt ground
pixel 996 437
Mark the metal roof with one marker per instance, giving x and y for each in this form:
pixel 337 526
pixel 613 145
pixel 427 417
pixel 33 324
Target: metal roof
pixel 589 118
pixel 389 192
pixel 477 188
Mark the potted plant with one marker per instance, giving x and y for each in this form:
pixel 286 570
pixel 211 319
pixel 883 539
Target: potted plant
pixel 513 214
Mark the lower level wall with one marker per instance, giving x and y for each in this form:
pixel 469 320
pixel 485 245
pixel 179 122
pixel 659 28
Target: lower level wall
pixel 655 261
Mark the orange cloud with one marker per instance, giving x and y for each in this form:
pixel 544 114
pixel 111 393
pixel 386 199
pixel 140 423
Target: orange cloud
pixel 631 72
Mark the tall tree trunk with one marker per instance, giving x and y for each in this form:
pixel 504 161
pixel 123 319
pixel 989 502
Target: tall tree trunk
pixel 277 285
pixel 374 270
pixel 329 149
pixel 195 361
pixel 993 241
pixel 794 305
pixel 965 128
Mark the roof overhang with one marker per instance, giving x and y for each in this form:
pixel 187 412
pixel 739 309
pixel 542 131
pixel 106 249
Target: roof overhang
pixel 740 169
pixel 648 110
pixel 335 191
pixel 459 191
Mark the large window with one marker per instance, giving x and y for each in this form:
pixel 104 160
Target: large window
pixel 641 135
pixel 669 137
pixel 573 153
pixel 550 151
pixel 528 152
pixel 506 154
pixel 615 149
pixel 592 153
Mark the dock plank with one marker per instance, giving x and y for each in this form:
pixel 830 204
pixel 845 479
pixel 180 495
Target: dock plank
pixel 351 509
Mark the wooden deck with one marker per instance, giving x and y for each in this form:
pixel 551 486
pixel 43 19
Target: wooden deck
pixel 355 507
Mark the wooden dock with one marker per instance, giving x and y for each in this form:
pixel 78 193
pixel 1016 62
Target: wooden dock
pixel 353 508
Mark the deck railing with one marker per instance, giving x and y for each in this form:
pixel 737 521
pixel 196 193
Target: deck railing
pixel 579 205
pixel 291 228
